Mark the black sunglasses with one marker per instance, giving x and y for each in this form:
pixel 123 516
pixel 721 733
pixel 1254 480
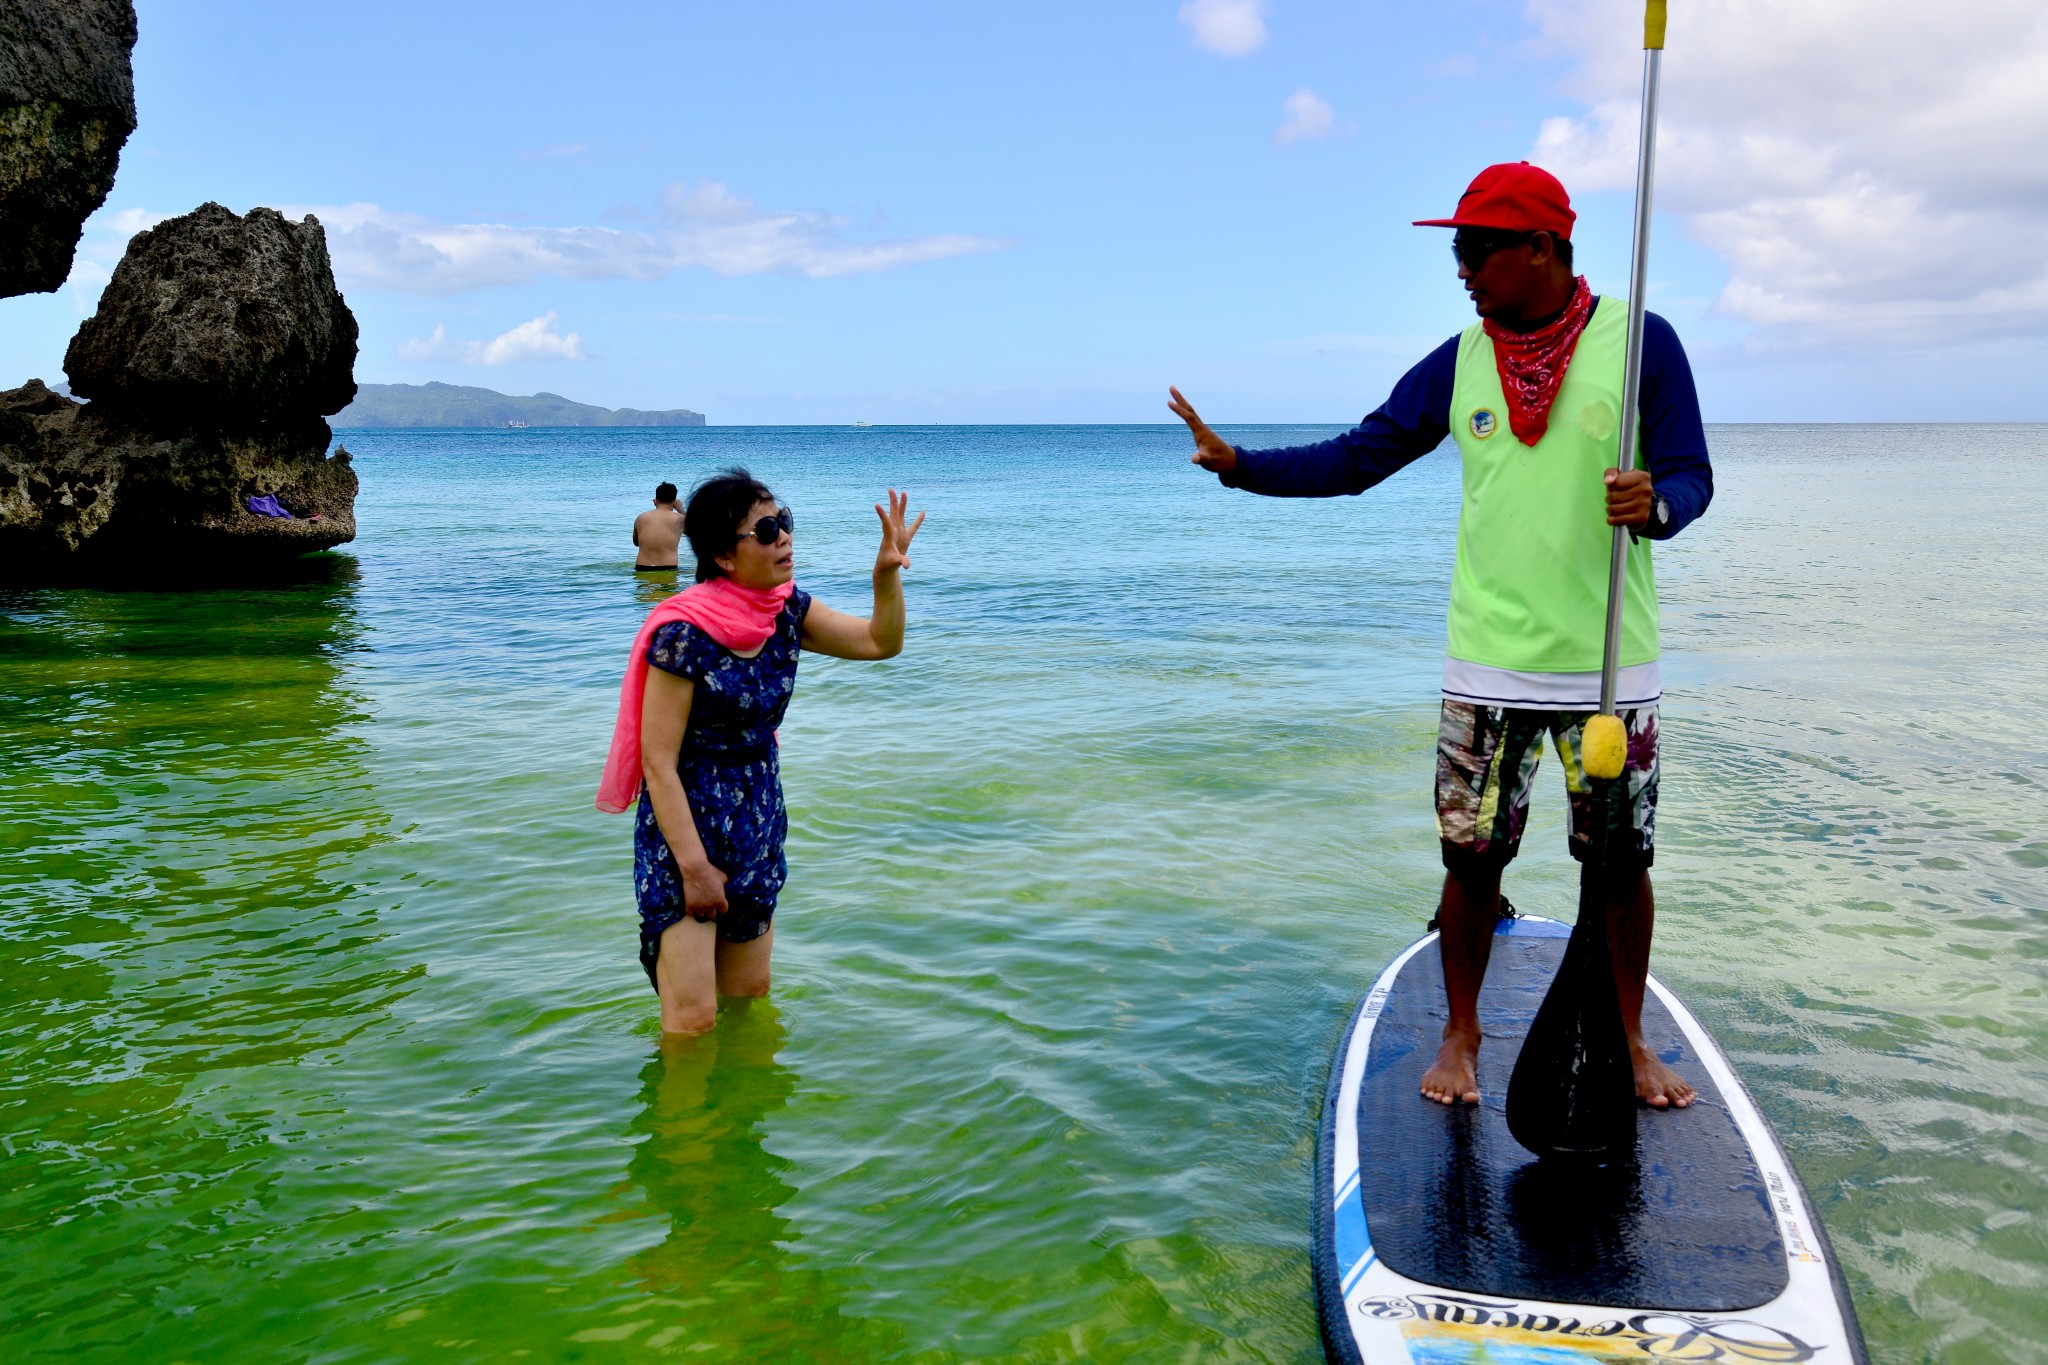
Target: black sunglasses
pixel 768 530
pixel 1470 249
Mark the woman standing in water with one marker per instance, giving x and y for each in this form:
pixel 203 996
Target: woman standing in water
pixel 708 680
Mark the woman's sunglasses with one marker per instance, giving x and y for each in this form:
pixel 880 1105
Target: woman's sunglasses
pixel 1472 248
pixel 768 530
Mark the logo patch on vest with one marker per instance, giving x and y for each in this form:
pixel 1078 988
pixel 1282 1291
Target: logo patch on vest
pixel 1483 423
pixel 1598 421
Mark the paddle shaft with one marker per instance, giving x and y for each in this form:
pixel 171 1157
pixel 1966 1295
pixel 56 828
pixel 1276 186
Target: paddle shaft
pixel 1632 362
pixel 1571 1094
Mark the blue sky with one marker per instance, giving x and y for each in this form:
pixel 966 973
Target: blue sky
pixel 810 212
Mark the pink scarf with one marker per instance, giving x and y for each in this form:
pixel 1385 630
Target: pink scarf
pixel 739 618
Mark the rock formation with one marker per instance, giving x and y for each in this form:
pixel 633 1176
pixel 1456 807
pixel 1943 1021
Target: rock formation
pixel 67 104
pixel 211 313
pixel 219 348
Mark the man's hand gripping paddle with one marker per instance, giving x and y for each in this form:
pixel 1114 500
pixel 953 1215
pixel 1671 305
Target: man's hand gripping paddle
pixel 1572 1093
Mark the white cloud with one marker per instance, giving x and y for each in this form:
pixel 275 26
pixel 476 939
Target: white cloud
pixel 533 340
pixel 100 246
pixel 705 226
pixel 127 222
pixel 708 225
pixel 433 347
pixel 87 281
pixel 377 249
pixel 1234 28
pixel 1870 170
pixel 1308 116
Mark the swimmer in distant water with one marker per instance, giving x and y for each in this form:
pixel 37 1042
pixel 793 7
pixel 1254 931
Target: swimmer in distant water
pixel 657 532
pixel 707 682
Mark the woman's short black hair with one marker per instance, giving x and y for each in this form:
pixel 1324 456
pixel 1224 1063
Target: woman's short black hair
pixel 712 519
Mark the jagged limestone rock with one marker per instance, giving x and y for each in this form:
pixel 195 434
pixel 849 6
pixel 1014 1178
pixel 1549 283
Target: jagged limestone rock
pixel 219 348
pixel 211 314
pixel 84 484
pixel 67 104
pixel 55 492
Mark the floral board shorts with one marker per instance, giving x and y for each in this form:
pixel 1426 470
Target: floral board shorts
pixel 1486 759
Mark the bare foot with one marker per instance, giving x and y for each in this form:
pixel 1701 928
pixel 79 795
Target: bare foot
pixel 1454 1075
pixel 1657 1085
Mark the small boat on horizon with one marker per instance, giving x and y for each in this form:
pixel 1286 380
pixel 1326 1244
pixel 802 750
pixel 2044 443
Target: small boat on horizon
pixel 858 425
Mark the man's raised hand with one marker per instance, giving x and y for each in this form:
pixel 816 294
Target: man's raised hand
pixel 1212 452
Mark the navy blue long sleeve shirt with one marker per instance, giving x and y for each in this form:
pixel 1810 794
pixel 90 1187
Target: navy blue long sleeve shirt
pixel 1417 416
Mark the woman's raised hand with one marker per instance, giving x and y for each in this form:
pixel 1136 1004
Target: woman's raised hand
pixel 895 551
pixel 1212 452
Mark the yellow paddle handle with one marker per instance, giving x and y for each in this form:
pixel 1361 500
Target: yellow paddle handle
pixel 1653 24
pixel 1603 746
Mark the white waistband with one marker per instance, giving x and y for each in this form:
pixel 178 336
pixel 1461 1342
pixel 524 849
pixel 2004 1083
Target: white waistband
pixel 1636 685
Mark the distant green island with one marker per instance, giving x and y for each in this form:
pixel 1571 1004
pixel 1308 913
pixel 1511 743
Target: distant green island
pixel 455 405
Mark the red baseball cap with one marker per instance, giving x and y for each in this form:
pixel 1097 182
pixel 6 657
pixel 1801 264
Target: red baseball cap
pixel 1513 197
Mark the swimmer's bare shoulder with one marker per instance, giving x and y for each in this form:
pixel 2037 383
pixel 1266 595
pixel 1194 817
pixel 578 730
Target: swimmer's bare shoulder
pixel 657 532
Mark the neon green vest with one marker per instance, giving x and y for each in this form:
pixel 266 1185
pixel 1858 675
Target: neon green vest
pixel 1530 588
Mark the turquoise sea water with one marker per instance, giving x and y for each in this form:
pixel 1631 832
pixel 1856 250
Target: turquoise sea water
pixel 323 1039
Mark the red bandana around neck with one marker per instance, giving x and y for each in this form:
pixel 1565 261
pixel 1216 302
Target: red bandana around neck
pixel 1532 364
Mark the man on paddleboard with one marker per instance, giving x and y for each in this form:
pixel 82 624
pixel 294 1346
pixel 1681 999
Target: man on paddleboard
pixel 1532 395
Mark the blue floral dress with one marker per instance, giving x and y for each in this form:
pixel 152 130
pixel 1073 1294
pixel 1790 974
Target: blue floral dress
pixel 730 773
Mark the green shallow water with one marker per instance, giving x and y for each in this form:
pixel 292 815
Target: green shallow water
pixel 323 1039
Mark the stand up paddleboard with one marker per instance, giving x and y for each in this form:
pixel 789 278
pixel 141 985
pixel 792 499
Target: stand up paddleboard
pixel 1439 1240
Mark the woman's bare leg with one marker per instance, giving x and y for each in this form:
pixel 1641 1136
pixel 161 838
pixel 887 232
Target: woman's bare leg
pixel 686 975
pixel 743 967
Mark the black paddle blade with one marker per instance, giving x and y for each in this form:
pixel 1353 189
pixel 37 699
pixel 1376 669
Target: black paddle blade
pixel 1573 1091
